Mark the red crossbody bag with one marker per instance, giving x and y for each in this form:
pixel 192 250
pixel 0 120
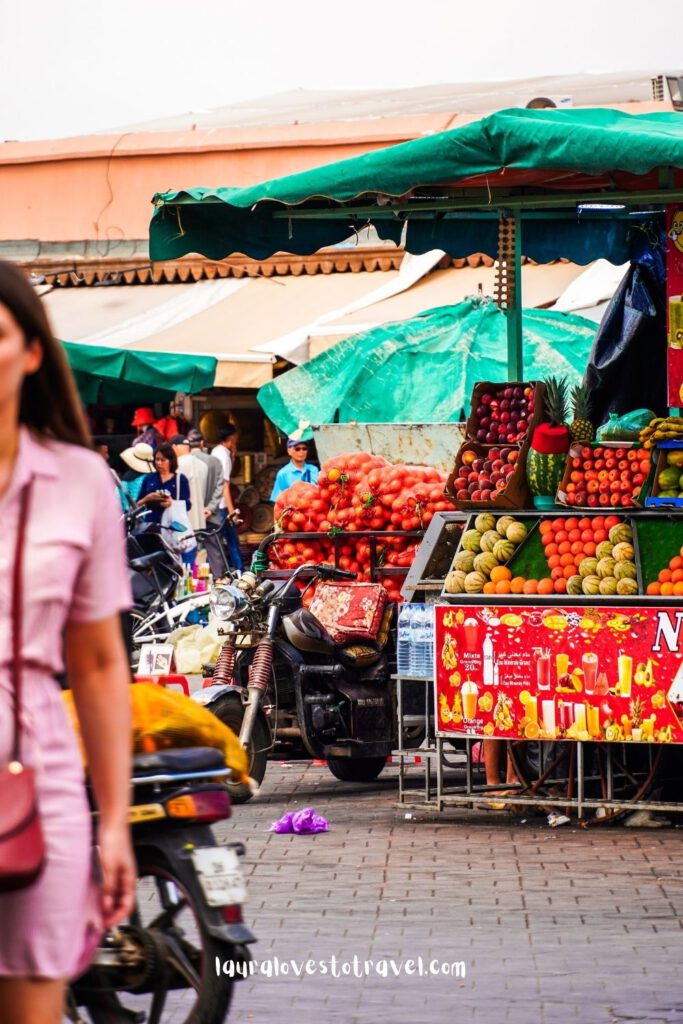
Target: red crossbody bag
pixel 22 848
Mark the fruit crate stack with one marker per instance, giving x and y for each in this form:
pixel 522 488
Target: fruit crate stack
pixel 489 467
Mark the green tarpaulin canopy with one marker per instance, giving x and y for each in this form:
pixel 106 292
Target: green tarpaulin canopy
pixel 423 370
pixel 515 158
pixel 121 375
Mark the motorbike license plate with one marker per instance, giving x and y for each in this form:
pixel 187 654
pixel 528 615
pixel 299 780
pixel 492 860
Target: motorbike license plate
pixel 220 875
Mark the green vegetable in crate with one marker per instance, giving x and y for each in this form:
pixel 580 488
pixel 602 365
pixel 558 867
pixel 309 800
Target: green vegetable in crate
pixel 608 585
pixel 485 562
pixel 516 532
pixel 489 540
pixel 471 541
pixel 625 571
pixel 575 585
pixel 605 568
pixel 455 582
pixel 464 560
pixel 549 446
pixel 474 583
pixel 621 534
pixel 588 567
pixel 581 428
pixel 591 584
pixel 504 550
pixel 623 552
pixel 604 550
pixel 627 587
pixel 485 521
pixel 503 523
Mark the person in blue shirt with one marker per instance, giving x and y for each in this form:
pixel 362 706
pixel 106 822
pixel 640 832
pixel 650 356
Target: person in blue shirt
pixel 297 469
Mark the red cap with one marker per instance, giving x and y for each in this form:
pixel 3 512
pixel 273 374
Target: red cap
pixel 144 417
pixel 550 440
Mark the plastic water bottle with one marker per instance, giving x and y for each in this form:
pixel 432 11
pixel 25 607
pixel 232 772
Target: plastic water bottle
pixel 428 666
pixel 403 640
pixel 418 641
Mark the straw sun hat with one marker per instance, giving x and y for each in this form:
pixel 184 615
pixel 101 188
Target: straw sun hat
pixel 139 458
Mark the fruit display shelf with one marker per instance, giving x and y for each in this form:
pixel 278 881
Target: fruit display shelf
pixel 604 475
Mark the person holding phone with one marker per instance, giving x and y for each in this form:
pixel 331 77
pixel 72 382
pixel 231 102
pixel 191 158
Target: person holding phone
pixel 58 495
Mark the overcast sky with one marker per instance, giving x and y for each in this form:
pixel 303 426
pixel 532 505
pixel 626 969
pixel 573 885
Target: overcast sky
pixel 82 65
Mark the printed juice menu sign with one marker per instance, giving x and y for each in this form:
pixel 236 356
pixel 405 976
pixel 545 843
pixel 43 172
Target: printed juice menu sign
pixel 674 293
pixel 608 674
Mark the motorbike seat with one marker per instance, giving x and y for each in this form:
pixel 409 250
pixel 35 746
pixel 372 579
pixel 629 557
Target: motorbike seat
pixel 178 760
pixel 144 561
pixel 307 633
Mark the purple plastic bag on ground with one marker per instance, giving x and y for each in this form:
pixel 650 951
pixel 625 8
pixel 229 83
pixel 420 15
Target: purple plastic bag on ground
pixel 304 822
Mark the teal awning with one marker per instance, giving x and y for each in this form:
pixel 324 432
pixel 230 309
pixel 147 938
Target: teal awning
pixel 121 375
pixel 534 159
pixel 423 370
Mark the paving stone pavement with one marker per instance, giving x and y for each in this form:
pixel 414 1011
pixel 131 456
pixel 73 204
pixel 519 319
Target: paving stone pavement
pixel 554 926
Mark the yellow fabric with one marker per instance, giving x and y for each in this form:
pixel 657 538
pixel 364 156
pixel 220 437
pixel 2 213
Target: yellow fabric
pixel 163 718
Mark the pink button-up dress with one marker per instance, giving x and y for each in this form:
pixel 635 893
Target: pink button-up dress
pixel 74 571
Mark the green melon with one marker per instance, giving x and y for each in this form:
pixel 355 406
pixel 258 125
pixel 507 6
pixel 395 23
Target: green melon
pixel 588 566
pixel 591 585
pixel 471 540
pixel 485 562
pixel 604 550
pixel 626 587
pixel 516 532
pixel 623 552
pixel 625 571
pixel 504 550
pixel 502 524
pixel 605 568
pixel 608 585
pixel 455 582
pixel 464 560
pixel 485 521
pixel 544 472
pixel 474 583
pixel 489 540
pixel 621 533
pixel 575 585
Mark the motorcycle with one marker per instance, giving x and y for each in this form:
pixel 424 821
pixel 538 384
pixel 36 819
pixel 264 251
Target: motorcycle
pixel 280 677
pixel 188 913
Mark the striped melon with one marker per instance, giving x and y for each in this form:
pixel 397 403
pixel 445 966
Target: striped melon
pixel 489 540
pixel 474 583
pixel 591 585
pixel 626 587
pixel 464 560
pixel 485 562
pixel 544 472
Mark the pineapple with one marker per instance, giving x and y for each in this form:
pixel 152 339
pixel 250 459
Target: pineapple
pixel 555 401
pixel 581 428
pixel 635 708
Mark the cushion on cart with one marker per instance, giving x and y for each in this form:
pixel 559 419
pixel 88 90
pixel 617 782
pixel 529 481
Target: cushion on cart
pixel 350 611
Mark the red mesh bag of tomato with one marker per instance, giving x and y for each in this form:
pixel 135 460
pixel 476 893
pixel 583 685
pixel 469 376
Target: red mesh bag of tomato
pixel 406 497
pixel 290 554
pixel 340 476
pixel 300 509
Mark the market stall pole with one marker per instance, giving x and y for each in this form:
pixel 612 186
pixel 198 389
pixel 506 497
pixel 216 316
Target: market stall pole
pixel 578 182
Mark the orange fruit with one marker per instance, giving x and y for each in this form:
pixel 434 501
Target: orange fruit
pixel 558 525
pixel 560 536
pixel 589 547
pixel 545 586
pixel 677 576
pixel 653 589
pixel 551 549
pixel 555 574
pixel 503 587
pixel 564 548
pixel 517 585
pixel 572 535
pixel 584 524
pixel 560 586
pixel 667 589
pixel 599 536
pixel 545 526
pixel 500 574
pixel 531 587
pixel 489 588
pixel 676 563
pixel 532 730
pixel 577 547
pixel 665 576
pixel 566 559
pixel 554 561
pixel 611 521
pixel 678 588
pixel 571 524
pixel 569 570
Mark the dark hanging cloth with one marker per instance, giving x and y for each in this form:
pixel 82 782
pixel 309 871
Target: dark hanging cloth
pixel 627 366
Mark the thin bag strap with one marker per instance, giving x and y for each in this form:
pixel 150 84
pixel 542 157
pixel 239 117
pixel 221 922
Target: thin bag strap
pixel 17 617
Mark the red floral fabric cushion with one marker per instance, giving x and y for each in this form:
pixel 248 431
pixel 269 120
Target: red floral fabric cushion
pixel 350 611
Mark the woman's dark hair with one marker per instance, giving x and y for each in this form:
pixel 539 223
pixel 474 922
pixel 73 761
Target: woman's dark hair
pixel 166 450
pixel 49 402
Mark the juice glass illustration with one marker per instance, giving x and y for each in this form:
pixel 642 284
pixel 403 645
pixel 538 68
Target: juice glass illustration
pixel 470 629
pixel 543 670
pixel 589 664
pixel 580 717
pixel 625 664
pixel 468 692
pixel 548 713
pixel 648 727
pixel 566 716
pixel 531 708
pixel 593 716
pixel 561 665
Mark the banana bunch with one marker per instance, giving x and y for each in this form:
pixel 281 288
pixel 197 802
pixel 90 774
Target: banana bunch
pixel 668 428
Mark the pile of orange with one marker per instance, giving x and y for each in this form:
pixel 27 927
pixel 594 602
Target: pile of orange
pixel 669 582
pixel 503 582
pixel 568 541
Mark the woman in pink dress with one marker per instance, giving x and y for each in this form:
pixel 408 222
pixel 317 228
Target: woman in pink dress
pixel 75 584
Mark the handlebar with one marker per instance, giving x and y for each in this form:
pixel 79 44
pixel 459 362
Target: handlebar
pixel 329 571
